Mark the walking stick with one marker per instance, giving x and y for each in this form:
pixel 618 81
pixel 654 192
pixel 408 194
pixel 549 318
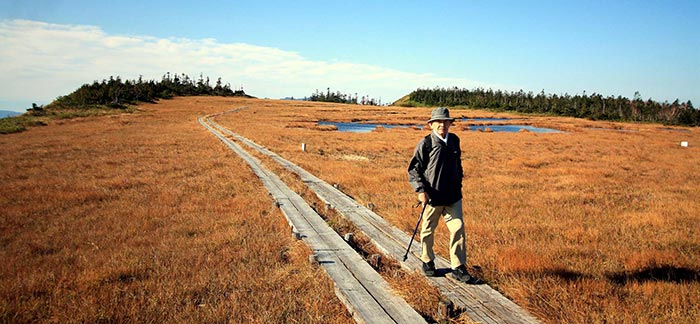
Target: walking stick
pixel 405 256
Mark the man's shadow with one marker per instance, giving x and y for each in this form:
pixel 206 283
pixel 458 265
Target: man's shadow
pixel 663 273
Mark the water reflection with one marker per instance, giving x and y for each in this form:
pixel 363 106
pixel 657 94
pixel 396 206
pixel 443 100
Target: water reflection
pixel 366 128
pixel 360 128
pixel 487 119
pixel 513 129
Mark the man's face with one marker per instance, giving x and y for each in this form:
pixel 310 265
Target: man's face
pixel 441 127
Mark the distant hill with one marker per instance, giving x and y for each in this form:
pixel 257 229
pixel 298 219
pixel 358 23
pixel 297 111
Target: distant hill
pixel 405 101
pixel 8 113
pixel 118 93
pixel 114 95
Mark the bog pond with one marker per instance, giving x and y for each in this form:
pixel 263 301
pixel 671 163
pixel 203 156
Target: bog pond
pixel 356 127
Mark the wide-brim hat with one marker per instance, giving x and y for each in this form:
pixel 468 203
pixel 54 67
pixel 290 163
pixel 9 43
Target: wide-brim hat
pixel 440 113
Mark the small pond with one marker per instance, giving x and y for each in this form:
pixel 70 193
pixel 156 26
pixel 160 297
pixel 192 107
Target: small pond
pixel 366 128
pixel 360 128
pixel 514 128
pixel 485 119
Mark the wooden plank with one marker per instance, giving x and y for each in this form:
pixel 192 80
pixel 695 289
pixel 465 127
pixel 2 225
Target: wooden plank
pixel 366 295
pixel 376 285
pixel 481 302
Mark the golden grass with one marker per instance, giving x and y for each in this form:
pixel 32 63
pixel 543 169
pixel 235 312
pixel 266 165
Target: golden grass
pixel 598 224
pixel 147 218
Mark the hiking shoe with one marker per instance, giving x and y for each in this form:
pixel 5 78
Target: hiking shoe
pixel 461 274
pixel 429 269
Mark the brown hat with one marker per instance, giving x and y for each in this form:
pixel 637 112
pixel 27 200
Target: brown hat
pixel 440 113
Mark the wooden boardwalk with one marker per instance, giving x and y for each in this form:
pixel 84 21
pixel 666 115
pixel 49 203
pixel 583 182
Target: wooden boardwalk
pixel 362 290
pixel 480 302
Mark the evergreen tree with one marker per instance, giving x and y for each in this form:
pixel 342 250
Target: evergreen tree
pixel 116 93
pixel 594 106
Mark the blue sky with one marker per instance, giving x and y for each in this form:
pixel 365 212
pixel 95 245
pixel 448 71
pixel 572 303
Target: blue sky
pixel 383 49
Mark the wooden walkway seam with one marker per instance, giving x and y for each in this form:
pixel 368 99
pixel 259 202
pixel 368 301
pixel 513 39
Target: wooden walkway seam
pixel 366 295
pixel 480 302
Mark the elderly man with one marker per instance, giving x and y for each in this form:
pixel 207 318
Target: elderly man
pixel 435 173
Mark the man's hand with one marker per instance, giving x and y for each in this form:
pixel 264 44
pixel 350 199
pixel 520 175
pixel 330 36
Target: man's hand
pixel 423 198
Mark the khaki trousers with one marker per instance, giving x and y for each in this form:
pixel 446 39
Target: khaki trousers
pixel 453 219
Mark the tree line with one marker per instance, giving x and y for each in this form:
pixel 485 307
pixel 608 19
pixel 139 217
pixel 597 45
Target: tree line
pixel 594 106
pixel 117 93
pixel 342 98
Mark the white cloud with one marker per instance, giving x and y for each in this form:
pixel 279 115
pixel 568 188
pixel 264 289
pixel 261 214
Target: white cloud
pixel 40 61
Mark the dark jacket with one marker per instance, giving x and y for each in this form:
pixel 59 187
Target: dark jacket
pixel 436 168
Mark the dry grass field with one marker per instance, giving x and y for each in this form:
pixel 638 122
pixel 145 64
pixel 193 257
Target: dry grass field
pixel 147 217
pixel 599 224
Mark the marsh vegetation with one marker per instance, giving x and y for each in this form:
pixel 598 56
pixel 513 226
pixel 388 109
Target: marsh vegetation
pixel 146 217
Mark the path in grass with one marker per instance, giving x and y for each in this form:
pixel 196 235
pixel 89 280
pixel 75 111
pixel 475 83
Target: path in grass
pixel 480 302
pixel 364 292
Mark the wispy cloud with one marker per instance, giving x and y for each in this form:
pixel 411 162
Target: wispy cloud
pixel 40 61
